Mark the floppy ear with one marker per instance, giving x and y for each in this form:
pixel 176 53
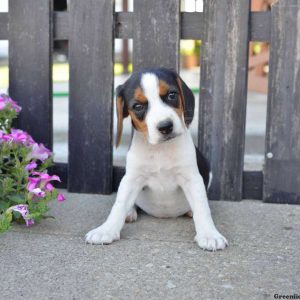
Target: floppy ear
pixel 122 112
pixel 187 101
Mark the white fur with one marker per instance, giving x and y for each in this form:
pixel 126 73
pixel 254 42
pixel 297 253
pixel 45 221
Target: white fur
pixel 161 178
pixel 157 110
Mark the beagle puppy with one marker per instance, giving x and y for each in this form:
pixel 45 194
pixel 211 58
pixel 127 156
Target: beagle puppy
pixel 166 175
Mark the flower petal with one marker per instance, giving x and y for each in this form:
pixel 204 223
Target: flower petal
pixel 31 166
pixel 49 187
pixel 61 197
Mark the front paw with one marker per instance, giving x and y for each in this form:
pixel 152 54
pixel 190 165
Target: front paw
pixel 211 241
pixel 101 236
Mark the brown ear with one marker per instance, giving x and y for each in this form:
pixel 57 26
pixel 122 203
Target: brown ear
pixel 122 113
pixel 187 101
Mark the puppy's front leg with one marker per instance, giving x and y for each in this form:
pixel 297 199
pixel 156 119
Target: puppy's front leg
pixel 109 231
pixel 207 235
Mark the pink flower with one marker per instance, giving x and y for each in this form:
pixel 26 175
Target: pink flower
pixel 40 184
pixel 2 104
pixel 6 101
pixel 33 182
pixel 61 197
pixel 29 222
pixel 18 136
pixel 31 166
pixel 39 151
pixel 46 177
pixel 38 192
pixel 23 210
pixel 49 187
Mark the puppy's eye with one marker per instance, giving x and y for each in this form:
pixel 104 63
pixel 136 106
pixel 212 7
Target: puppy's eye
pixel 138 107
pixel 172 96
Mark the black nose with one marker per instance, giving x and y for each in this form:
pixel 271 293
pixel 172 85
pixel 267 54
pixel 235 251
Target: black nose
pixel 165 127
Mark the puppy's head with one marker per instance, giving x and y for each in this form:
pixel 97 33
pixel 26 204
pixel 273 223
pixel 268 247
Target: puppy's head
pixel 159 103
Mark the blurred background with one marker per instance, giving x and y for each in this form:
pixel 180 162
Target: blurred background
pixel 190 52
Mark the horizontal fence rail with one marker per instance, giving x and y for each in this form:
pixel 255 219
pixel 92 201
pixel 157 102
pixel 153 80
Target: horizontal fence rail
pixel 252 180
pixel 226 27
pixel 191 26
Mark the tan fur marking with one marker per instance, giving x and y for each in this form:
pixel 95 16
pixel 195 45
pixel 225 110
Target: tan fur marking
pixel 120 104
pixel 180 110
pixel 163 88
pixel 140 125
pixel 140 96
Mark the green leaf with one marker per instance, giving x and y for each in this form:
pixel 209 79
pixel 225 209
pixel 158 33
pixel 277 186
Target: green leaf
pixel 17 199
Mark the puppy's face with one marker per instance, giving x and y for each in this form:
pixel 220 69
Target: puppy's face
pixel 159 103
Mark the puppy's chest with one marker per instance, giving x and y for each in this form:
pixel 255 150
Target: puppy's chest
pixel 161 181
pixel 160 172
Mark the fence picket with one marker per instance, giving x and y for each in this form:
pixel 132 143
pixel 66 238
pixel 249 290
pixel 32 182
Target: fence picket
pixel 157 34
pixel 30 64
pixel 91 91
pixel 222 106
pixel 282 166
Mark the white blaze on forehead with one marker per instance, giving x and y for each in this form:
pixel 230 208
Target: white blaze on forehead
pixel 150 86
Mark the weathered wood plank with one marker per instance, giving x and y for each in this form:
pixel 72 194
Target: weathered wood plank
pixel 156 34
pixel 282 167
pixel 222 109
pixel 30 64
pixel 3 26
pixel 91 92
pixel 61 25
pixel 253 185
pixel 260 26
pixel 124 25
pixel 60 169
pixel 191 25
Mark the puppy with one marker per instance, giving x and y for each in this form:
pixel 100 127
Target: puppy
pixel 166 176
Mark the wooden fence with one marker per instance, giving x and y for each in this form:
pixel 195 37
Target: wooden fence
pixel 156 27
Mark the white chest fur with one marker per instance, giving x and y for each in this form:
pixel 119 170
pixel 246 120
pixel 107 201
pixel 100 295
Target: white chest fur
pixel 160 165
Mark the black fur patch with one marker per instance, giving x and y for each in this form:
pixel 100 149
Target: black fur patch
pixel 203 167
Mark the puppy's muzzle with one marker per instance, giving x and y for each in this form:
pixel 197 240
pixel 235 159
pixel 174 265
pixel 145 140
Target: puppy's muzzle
pixel 165 127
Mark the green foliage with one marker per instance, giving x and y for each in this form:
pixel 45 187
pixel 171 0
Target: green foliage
pixel 25 186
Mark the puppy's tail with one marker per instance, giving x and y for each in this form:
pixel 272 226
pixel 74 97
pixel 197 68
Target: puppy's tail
pixel 210 180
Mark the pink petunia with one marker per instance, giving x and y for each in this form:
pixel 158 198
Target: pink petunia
pixel 33 183
pixel 49 187
pixel 23 210
pixel 6 101
pixel 31 166
pixel 40 184
pixel 18 136
pixel 29 222
pixel 47 177
pixel 39 151
pixel 61 197
pixel 38 192
pixel 2 105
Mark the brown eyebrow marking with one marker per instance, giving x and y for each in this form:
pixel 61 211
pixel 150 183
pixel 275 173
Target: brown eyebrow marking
pixel 140 96
pixel 163 88
pixel 140 125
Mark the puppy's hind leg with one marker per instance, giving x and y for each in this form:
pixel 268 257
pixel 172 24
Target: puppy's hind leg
pixel 131 215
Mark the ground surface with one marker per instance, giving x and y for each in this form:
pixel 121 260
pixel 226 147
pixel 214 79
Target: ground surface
pixel 156 258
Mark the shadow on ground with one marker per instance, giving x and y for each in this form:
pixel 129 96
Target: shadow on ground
pixel 156 258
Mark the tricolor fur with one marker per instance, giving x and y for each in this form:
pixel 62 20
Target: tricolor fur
pixel 166 175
